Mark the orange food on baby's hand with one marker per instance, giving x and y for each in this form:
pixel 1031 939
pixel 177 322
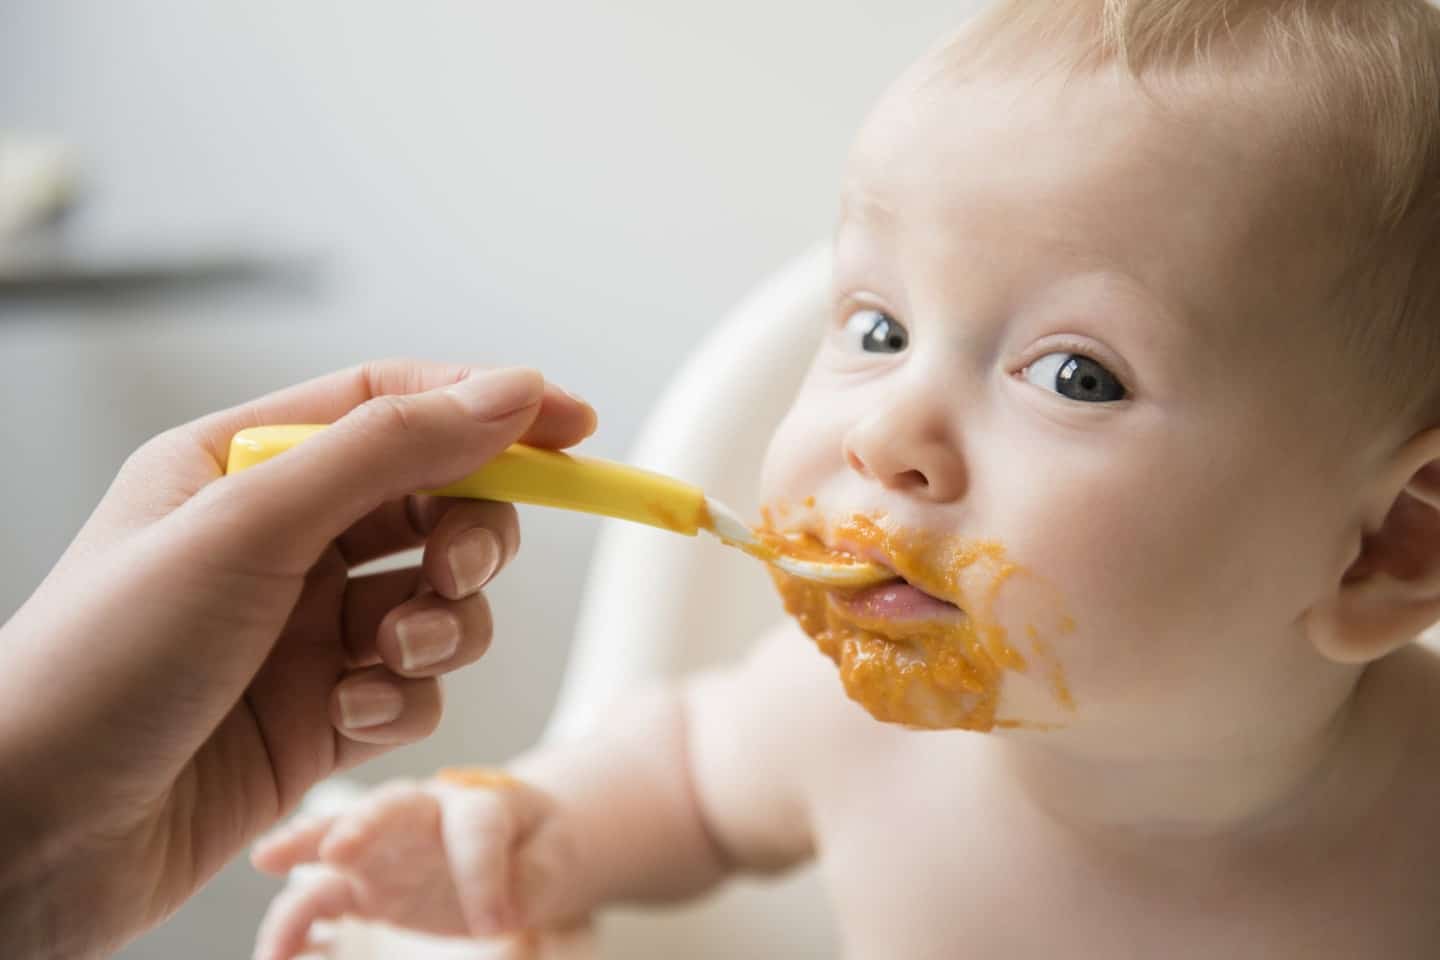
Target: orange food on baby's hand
pixel 478 778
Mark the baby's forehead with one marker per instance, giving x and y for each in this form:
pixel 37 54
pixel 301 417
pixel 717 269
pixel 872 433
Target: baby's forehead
pixel 1180 186
pixel 930 116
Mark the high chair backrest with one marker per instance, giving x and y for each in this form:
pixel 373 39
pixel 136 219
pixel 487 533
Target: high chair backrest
pixel 657 606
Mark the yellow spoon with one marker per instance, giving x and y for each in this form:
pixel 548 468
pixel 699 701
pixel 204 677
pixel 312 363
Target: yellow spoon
pixel 546 478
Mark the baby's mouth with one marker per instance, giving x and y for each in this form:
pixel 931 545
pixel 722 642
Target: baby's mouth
pixel 905 652
pixel 899 600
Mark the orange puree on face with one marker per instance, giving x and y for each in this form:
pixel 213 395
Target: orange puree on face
pixel 479 778
pixel 929 674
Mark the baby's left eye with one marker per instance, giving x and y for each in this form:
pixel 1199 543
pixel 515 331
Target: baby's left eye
pixel 1076 377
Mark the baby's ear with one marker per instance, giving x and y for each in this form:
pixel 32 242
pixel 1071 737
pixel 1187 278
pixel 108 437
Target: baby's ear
pixel 1391 592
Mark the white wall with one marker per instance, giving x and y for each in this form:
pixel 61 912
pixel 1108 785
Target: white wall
pixel 581 185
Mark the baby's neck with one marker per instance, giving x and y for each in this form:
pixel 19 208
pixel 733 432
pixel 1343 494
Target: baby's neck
pixel 1334 756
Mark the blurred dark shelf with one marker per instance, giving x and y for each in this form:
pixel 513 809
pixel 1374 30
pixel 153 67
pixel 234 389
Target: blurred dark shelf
pixel 89 276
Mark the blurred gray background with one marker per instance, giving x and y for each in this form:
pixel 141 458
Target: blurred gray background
pixel 582 186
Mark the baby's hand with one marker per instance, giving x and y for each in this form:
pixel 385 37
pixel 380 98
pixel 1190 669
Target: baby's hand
pixel 439 857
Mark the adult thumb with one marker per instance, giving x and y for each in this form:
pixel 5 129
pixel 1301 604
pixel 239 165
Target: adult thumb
pixel 280 515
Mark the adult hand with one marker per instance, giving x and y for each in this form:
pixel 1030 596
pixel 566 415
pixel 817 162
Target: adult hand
pixel 200 656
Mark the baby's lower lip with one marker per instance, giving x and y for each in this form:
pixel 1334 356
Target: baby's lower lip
pixel 898 600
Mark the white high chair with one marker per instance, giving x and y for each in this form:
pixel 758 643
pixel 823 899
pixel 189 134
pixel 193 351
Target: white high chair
pixel 657 606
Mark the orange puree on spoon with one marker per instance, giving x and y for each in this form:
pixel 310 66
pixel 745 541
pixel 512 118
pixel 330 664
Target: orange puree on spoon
pixel 922 650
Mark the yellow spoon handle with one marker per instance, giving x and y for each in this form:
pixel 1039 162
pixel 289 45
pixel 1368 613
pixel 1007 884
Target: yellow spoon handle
pixel 524 474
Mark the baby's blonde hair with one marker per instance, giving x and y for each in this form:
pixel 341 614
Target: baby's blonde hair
pixel 1363 80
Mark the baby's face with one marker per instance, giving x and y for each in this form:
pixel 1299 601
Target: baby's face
pixel 1082 326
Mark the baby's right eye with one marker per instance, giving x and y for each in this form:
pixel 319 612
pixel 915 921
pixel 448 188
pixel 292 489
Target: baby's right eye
pixel 875 331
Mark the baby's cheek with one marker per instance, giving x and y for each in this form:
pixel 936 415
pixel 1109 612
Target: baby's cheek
pixel 1136 607
pixel 1029 615
pixel 803 453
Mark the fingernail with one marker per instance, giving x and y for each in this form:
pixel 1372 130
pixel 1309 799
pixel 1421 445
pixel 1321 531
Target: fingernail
pixel 369 704
pixel 426 638
pixel 496 394
pixel 474 557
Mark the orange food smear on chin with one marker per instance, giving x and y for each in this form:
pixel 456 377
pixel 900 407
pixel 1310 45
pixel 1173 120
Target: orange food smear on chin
pixel 926 674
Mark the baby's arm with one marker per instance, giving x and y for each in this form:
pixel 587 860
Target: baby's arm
pixel 756 747
pixel 691 784
pixel 676 789
pixel 688 785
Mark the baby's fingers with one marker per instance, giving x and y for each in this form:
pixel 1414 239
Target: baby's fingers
pixel 391 848
pixel 378 827
pixel 314 894
pixel 481 829
pixel 530 882
pixel 479 832
pixel 290 845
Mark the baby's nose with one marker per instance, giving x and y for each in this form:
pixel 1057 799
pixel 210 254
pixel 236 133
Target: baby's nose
pixel 906 458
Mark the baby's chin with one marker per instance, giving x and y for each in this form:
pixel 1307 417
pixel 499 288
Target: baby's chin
pixel 899 684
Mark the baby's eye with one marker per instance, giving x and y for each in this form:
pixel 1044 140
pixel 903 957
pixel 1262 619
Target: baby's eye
pixel 876 332
pixel 1076 377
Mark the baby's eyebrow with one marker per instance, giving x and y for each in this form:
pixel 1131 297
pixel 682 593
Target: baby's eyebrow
pixel 1149 326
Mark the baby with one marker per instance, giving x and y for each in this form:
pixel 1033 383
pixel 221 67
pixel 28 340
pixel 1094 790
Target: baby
pixel 1130 378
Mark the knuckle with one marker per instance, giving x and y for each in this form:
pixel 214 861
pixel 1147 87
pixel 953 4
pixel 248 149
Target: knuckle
pixel 347 852
pixel 342 841
pixel 144 458
pixel 375 374
pixel 388 414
